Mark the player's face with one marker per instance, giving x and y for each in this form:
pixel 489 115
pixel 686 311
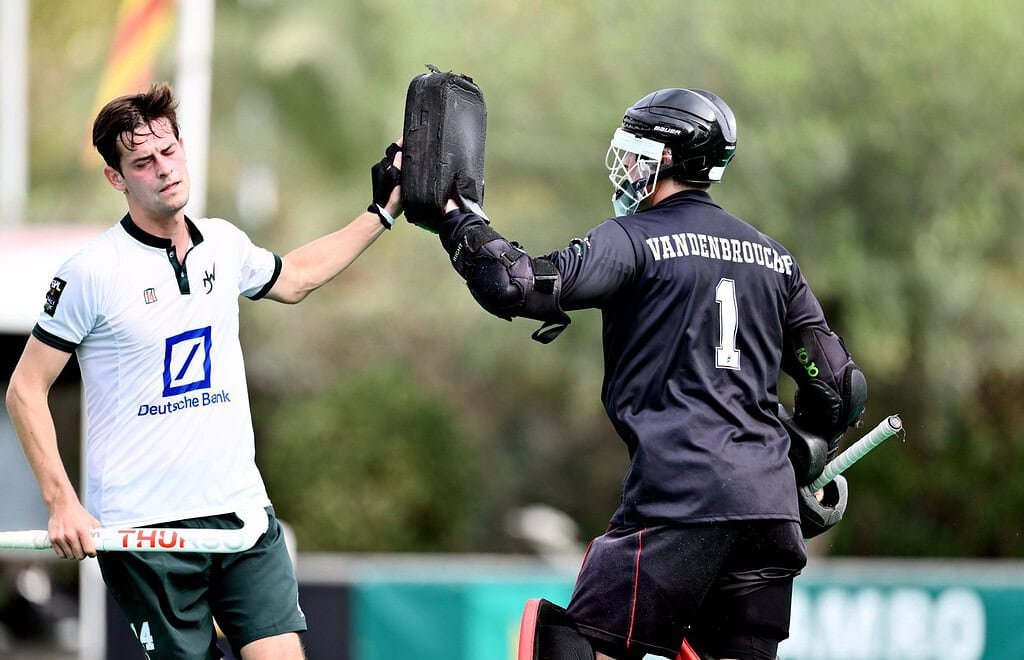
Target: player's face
pixel 154 175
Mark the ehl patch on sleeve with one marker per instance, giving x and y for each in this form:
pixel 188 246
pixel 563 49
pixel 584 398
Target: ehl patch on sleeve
pixel 53 295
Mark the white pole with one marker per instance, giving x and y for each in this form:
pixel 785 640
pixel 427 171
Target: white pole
pixel 92 592
pixel 13 111
pixel 195 62
pixel 92 611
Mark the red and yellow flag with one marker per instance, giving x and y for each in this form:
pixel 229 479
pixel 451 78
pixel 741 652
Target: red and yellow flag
pixel 142 29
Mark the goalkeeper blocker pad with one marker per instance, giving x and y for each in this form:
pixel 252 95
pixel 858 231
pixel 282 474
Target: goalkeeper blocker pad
pixel 545 634
pixel 443 146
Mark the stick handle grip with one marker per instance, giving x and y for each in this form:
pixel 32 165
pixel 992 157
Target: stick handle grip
pixel 31 539
pixel 887 428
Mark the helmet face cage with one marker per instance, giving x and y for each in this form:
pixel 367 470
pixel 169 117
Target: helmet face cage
pixel 633 164
pixel 698 128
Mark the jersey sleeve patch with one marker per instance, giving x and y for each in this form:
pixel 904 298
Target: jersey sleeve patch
pixel 57 286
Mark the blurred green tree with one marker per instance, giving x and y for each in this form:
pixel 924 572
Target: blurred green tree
pixel 371 461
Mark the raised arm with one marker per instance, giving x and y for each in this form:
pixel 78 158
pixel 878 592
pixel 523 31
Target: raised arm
pixel 509 282
pixel 310 266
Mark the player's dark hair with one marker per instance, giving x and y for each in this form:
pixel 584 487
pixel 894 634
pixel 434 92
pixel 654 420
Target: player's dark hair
pixel 117 121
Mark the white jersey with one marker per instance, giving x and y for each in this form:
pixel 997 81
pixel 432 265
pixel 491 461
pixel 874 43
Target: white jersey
pixel 168 428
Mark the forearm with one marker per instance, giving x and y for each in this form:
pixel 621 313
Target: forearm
pixel 33 423
pixel 316 263
pixel 501 276
pixel 454 226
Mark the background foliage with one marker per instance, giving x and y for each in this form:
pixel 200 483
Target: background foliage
pixel 878 141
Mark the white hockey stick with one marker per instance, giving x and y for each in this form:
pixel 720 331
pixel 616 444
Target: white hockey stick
pixel 887 428
pixel 156 539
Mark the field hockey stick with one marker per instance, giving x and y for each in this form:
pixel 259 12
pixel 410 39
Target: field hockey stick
pixel 156 539
pixel 887 428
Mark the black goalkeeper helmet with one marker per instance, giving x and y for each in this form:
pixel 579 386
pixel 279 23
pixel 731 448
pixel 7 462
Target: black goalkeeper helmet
pixel 696 126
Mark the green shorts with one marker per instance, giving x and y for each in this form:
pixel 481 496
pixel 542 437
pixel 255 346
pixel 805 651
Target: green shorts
pixel 170 599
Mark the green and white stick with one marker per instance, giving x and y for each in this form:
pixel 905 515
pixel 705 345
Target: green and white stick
pixel 887 428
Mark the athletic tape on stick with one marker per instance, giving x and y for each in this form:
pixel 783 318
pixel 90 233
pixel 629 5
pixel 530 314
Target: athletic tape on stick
pixel 887 428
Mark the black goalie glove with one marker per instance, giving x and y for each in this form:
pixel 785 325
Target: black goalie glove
pixel 385 177
pixel 818 517
pixel 443 141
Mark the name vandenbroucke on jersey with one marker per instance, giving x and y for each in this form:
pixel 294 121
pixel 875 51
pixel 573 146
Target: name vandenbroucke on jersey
pixel 688 244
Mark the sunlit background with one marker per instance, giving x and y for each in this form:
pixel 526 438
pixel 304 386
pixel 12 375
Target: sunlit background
pixel 436 465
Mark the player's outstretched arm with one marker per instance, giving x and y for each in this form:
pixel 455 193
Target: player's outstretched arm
pixel 307 268
pixel 503 278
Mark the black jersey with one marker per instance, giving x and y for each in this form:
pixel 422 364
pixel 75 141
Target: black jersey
pixel 696 305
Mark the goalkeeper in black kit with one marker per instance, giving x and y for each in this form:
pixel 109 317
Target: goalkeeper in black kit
pixel 701 312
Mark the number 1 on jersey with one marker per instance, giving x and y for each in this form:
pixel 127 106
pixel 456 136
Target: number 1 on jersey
pixel 726 355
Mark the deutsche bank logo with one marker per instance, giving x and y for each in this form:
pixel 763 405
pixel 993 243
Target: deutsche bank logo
pixel 187 362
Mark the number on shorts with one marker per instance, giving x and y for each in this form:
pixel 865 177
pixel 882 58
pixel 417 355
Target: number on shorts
pixel 726 354
pixel 145 637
